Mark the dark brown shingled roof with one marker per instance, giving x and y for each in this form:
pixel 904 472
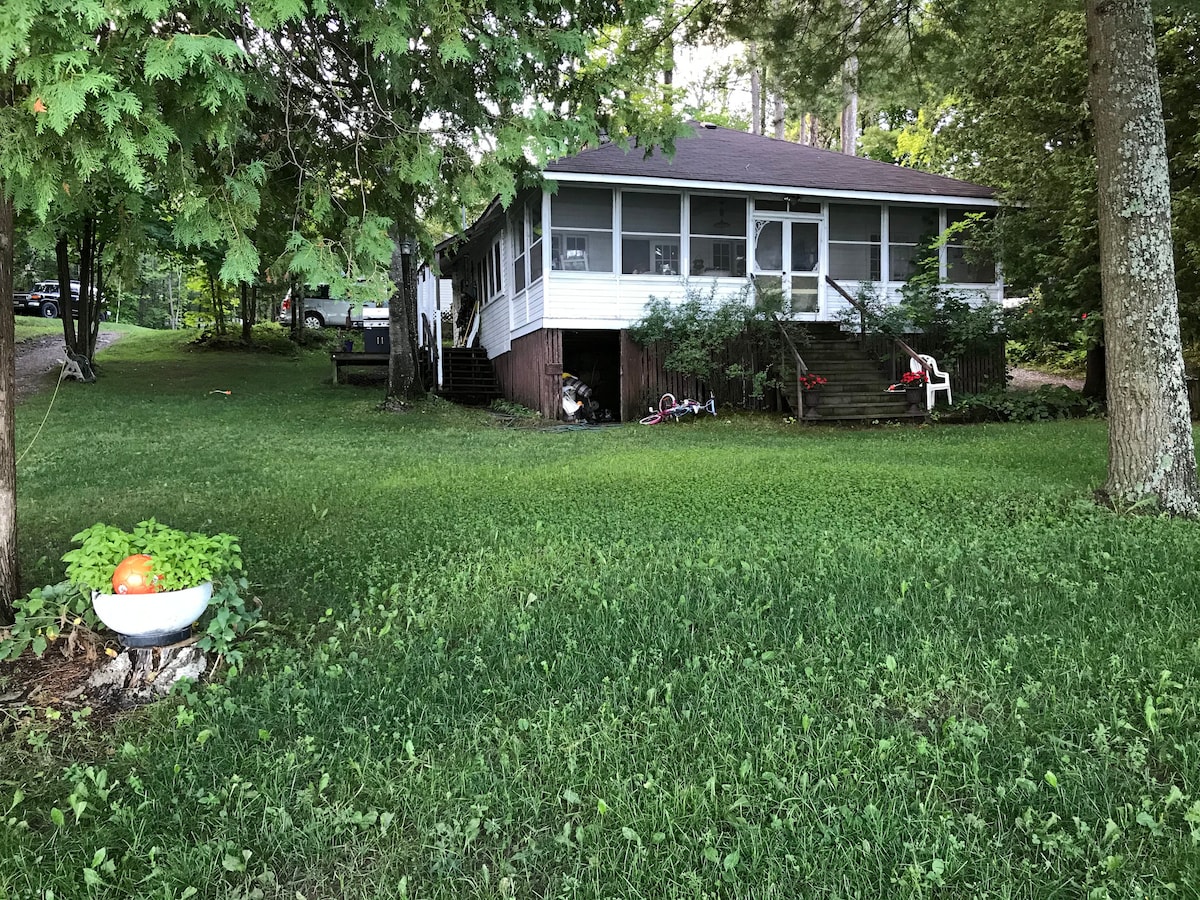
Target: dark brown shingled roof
pixel 735 157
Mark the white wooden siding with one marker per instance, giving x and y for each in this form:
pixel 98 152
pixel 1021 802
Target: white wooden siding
pixel 834 303
pixel 534 301
pixel 605 301
pixel 617 301
pixel 494 328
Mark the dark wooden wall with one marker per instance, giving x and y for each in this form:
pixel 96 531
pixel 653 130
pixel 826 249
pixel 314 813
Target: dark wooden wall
pixel 971 374
pixel 644 379
pixel 530 373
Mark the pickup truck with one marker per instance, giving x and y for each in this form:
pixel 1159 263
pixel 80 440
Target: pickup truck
pixel 325 312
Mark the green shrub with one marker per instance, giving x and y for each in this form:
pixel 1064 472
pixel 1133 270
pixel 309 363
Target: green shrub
pixel 1050 338
pixel 952 326
pixel 701 330
pixel 1047 403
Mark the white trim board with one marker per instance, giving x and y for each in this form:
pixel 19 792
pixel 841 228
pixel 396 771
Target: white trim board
pixel 748 188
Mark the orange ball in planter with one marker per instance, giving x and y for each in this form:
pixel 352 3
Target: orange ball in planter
pixel 135 575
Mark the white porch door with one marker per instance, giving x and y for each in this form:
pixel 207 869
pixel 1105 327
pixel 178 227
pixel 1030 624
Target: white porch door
pixel 787 259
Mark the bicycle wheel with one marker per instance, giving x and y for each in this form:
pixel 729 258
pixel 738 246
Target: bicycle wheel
pixel 652 419
pixel 666 402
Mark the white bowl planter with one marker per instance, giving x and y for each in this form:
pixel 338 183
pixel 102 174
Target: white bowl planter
pixel 150 620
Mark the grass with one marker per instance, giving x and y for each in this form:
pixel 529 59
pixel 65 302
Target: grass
pixel 29 327
pixel 724 658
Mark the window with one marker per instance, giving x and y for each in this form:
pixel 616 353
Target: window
pixel 717 240
pixel 581 237
pixel 788 204
pixel 519 260
pixel 486 273
pixel 649 233
pixel 533 216
pixel 966 264
pixel 910 229
pixel 495 268
pixel 854 242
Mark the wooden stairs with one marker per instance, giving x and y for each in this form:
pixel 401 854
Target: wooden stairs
pixel 468 376
pixel 857 386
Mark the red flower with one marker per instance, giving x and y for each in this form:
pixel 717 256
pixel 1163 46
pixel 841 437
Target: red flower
pixel 810 380
pixel 1084 316
pixel 912 379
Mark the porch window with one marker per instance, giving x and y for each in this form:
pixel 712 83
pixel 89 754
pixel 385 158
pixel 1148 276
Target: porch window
pixel 855 242
pixel 534 218
pixel 518 233
pixel 717 238
pixel 910 229
pixel 581 237
pixel 496 268
pixel 649 233
pixel 967 264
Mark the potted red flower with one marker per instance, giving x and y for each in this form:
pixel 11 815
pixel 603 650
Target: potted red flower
pixel 913 384
pixel 810 388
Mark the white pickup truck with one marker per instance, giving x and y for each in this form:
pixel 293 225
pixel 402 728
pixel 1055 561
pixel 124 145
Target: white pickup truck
pixel 325 312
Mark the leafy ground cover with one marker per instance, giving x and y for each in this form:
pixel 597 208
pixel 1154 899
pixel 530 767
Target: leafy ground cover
pixel 724 658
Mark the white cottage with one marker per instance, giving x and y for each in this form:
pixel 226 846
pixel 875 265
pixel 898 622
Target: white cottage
pixel 554 281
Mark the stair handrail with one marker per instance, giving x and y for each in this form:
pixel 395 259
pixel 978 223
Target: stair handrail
pixel 914 355
pixel 862 327
pixel 468 337
pixel 801 368
pixel 862 309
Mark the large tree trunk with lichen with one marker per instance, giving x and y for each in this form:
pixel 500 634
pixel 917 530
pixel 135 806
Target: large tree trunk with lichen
pixel 8 401
pixel 1150 449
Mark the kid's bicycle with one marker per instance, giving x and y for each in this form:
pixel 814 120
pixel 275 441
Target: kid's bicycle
pixel 669 408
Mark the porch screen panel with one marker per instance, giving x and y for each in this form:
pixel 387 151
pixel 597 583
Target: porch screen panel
pixel 855 241
pixel 650 233
pixel 519 247
pixel 717 235
pixel 806 258
pixel 910 230
pixel 534 217
pixel 968 263
pixel 581 236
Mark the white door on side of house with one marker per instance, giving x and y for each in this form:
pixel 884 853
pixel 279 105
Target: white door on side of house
pixel 787 262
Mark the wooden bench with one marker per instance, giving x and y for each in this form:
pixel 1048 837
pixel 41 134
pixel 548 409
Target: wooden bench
pixel 343 358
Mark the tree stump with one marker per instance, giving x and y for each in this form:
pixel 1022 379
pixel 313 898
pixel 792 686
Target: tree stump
pixel 143 675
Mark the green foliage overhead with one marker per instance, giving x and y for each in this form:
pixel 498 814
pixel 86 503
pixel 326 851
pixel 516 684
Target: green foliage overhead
pixel 299 136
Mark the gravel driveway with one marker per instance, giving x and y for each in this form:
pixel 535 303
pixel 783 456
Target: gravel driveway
pixel 40 359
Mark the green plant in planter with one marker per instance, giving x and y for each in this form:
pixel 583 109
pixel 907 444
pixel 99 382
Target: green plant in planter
pixel 181 559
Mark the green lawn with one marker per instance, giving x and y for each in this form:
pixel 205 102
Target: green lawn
pixel 725 658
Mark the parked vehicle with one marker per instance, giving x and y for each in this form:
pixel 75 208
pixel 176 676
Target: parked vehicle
pixel 323 311
pixel 43 299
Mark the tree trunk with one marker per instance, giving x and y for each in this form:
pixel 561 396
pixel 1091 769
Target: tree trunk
pixel 404 382
pixel 1093 379
pixel 247 316
pixel 779 119
pixel 1150 449
pixel 755 92
pixel 8 402
pixel 850 106
pixel 62 257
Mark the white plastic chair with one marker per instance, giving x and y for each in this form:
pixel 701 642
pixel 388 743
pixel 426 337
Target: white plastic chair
pixel 935 379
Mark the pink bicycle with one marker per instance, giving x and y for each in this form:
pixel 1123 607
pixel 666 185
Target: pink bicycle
pixel 670 408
